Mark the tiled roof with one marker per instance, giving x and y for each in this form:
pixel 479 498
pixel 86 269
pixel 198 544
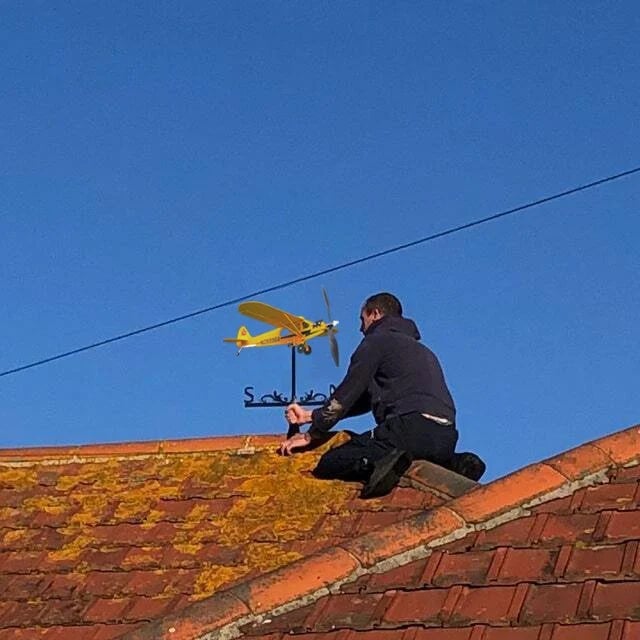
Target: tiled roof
pixel 96 541
pixel 550 552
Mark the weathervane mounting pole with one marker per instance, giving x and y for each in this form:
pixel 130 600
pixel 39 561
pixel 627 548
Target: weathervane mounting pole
pixel 293 373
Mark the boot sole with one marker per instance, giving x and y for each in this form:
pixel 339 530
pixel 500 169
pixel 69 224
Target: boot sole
pixel 386 474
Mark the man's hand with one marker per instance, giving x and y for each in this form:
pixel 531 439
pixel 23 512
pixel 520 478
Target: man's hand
pixel 298 441
pixel 295 414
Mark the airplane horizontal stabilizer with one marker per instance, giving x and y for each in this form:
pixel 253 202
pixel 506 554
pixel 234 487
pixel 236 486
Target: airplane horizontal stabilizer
pixel 242 339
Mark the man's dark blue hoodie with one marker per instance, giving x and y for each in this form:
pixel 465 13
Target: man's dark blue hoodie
pixel 391 373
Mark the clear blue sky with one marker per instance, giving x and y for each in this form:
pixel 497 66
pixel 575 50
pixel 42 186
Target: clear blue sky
pixel 160 157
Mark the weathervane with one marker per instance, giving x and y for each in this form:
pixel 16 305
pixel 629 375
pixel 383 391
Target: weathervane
pixel 299 332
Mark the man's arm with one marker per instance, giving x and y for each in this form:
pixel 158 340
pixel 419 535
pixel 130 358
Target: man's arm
pixel 351 396
pixel 360 406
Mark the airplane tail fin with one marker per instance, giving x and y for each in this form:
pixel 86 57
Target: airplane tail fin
pixel 242 339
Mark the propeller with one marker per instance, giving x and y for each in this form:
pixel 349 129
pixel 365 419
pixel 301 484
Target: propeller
pixel 331 330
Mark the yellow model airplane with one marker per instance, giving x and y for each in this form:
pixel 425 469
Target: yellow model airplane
pixel 300 330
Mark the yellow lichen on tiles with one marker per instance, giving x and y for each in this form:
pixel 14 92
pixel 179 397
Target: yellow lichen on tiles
pixel 15 535
pixel 53 505
pixel 151 491
pixel 217 467
pixel 282 503
pixel 191 534
pixel 142 556
pixel 72 549
pixel 90 473
pixel 8 513
pixel 185 529
pixel 21 478
pixel 214 576
pixel 202 467
pixel 189 548
pixel 133 506
pixel 263 557
pixel 198 513
pixel 152 518
pixel 132 501
pixel 67 483
pixel 105 470
pixel 268 556
pixel 92 508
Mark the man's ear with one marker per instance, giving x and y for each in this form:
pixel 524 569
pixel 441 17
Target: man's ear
pixel 376 314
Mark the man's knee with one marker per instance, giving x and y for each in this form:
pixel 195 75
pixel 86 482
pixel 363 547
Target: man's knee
pixel 328 466
pixel 337 464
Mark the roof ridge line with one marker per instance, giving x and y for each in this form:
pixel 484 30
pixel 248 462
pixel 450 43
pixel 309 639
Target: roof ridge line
pixel 140 449
pixel 303 581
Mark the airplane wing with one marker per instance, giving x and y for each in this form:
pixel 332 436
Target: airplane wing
pixel 271 315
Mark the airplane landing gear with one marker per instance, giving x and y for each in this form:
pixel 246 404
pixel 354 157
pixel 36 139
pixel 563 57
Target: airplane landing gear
pixel 304 348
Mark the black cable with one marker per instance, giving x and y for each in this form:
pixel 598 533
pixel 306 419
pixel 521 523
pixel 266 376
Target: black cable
pixel 317 274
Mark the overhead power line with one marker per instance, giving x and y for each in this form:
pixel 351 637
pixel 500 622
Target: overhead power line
pixel 323 272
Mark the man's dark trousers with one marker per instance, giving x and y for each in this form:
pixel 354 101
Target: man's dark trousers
pixel 421 438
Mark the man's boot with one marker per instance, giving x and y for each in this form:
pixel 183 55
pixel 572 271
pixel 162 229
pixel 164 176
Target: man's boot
pixel 468 464
pixel 386 474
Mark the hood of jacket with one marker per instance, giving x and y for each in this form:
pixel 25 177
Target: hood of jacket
pixel 396 324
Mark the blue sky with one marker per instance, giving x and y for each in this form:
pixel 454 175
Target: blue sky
pixel 162 157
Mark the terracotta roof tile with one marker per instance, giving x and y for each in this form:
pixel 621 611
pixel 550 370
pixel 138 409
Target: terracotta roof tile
pixel 428 527
pixel 577 463
pixel 457 568
pixel 290 583
pixel 508 493
pixel 626 474
pixel 416 606
pixel 524 565
pixel 622 447
pixel 583 632
pixel 621 525
pixel 515 633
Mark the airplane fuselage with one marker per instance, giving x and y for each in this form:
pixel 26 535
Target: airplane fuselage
pixel 274 337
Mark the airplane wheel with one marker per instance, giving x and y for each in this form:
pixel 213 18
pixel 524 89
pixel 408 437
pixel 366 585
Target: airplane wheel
pixel 306 349
pixel 300 348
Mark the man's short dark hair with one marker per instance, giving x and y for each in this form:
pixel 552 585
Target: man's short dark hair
pixel 386 303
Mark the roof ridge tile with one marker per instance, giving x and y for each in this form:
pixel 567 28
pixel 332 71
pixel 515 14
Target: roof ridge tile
pixel 324 569
pixel 396 543
pixel 64 453
pixel 623 447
